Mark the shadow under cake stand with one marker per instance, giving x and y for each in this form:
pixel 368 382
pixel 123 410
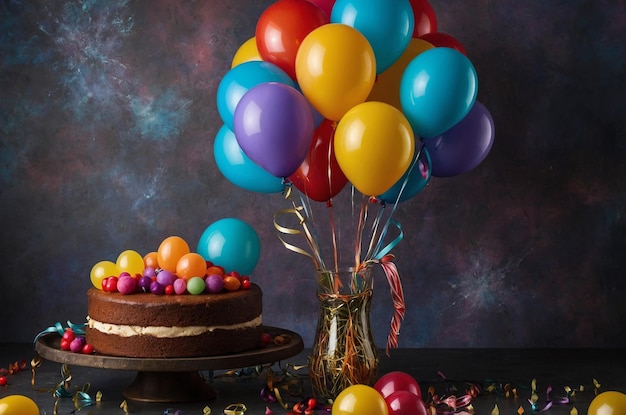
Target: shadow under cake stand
pixel 172 379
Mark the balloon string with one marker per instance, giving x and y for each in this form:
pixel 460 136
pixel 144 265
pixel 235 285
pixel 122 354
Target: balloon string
pixel 359 233
pixel 329 204
pixel 291 231
pixel 310 237
pixel 333 235
pixel 377 252
pixel 375 226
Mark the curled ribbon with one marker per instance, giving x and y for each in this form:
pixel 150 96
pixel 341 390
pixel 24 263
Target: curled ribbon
pixel 397 295
pixel 314 254
pixel 78 329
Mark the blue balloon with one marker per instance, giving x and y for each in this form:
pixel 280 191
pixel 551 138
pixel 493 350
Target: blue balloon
pixel 238 80
pixel 438 88
pixel 414 179
pixel 232 244
pixel 387 25
pixel 238 168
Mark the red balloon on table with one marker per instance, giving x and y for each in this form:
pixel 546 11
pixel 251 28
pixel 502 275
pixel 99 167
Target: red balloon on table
pixel 405 403
pixel 397 381
pixel 281 29
pixel 319 176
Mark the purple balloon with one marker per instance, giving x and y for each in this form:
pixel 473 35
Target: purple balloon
pixel 464 146
pixel 274 126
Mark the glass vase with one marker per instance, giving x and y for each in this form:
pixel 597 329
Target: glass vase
pixel 344 352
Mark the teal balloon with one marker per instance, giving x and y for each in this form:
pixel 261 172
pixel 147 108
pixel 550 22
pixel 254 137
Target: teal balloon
pixel 438 88
pixel 232 244
pixel 240 79
pixel 386 24
pixel 237 167
pixel 413 181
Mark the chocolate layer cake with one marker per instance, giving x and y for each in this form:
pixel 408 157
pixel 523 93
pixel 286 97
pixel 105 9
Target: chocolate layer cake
pixel 157 326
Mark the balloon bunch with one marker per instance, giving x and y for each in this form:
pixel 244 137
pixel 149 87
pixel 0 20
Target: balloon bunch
pixel 331 92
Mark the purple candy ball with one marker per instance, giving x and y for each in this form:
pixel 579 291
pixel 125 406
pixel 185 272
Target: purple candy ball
pixel 149 272
pixel 144 284
pixel 76 345
pixel 214 283
pixel 165 278
pixel 156 288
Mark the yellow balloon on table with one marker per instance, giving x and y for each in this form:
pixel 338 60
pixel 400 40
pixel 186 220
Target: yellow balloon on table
pixel 387 85
pixel 374 146
pixel 18 405
pixel 608 403
pixel 130 261
pixel 102 270
pixel 335 69
pixel 359 400
pixel 247 52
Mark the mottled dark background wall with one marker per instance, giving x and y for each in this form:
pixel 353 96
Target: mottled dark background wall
pixel 107 119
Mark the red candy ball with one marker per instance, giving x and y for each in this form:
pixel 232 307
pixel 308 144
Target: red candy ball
pixel 87 349
pixel 68 335
pixel 110 285
pixel 3 380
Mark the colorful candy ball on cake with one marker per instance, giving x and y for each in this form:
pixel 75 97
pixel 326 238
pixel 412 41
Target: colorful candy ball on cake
pixel 196 285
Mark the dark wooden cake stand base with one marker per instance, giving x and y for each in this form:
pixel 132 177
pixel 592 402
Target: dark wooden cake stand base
pixel 173 379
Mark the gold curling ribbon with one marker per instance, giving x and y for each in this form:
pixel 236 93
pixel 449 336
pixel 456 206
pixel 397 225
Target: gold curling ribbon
pixel 315 255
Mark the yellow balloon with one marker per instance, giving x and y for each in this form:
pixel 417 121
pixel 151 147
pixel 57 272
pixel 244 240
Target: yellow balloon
pixel 18 405
pixel 374 146
pixel 360 400
pixel 246 52
pixel 130 261
pixel 387 85
pixel 608 403
pixel 102 270
pixel 335 69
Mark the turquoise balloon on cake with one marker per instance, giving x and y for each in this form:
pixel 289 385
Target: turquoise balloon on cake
pixel 232 244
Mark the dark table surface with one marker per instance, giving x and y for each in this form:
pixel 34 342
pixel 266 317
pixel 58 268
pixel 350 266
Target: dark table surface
pixel 446 371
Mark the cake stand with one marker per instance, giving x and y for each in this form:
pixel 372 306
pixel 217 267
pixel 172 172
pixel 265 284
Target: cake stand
pixel 172 379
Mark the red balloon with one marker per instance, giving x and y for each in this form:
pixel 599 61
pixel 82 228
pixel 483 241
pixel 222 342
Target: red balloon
pixel 443 40
pixel 281 29
pixel 397 381
pixel 405 403
pixel 319 176
pixel 325 5
pixel 425 19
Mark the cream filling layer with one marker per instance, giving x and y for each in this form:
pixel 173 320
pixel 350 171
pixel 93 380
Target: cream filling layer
pixel 123 330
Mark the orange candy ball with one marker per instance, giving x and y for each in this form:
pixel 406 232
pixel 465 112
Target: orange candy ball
pixel 191 265
pixel 231 283
pixel 170 251
pixel 150 260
